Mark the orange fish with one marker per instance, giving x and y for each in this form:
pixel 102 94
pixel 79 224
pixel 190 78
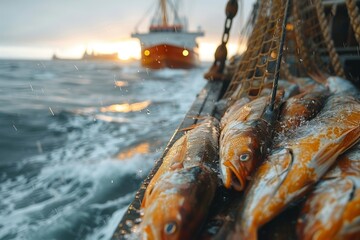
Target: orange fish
pixel 178 197
pixel 245 136
pixel 179 203
pixel 333 210
pixel 298 163
pixel 299 109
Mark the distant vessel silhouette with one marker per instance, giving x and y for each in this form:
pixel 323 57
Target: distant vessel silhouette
pixel 168 43
pixel 100 56
pixel 92 56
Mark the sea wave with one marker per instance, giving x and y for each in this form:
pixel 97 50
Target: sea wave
pixel 75 144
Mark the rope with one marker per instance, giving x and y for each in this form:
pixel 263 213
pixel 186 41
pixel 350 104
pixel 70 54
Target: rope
pixel 143 17
pixel 286 74
pixel 334 57
pixel 354 16
pixel 298 29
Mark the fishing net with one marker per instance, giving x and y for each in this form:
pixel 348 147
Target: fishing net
pixel 308 48
pixel 256 69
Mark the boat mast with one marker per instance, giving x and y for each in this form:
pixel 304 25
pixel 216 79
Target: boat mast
pixel 163 10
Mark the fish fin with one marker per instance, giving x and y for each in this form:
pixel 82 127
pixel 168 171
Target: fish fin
pixel 227 163
pixel 246 112
pixel 180 154
pixel 350 138
pixel 189 127
pixel 245 232
pixel 318 76
pixel 281 166
pixel 177 165
pixel 198 117
pixel 146 195
pixel 327 156
pixel 332 174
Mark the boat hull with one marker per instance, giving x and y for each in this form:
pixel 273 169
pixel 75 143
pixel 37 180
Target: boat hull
pixel 169 56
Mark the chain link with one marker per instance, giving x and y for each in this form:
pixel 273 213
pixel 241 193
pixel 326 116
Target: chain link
pixel 216 70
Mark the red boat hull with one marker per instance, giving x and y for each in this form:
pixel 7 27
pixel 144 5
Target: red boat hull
pixel 169 56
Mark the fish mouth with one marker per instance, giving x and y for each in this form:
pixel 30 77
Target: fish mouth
pixel 236 177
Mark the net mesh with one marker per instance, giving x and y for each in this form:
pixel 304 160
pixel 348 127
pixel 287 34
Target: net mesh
pixel 256 69
pixel 308 48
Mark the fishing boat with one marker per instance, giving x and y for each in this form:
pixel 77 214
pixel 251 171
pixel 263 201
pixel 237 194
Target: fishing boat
pixel 168 44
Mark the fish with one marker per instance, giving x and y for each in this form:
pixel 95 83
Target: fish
pixel 300 108
pixel 179 203
pixel 337 84
pixel 234 111
pixel 332 211
pixel 334 84
pixel 297 163
pixel 178 197
pixel 223 106
pixel 245 137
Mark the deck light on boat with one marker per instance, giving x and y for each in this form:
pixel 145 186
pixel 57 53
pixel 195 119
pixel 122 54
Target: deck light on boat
pixel 146 52
pixel 185 52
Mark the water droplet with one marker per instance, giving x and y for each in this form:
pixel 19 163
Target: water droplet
pixel 51 111
pixel 141 212
pixel 129 223
pixel 31 87
pixel 39 146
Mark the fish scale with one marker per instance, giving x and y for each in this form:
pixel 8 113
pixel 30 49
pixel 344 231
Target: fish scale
pixel 179 195
pixel 331 211
pixel 245 136
pixel 308 154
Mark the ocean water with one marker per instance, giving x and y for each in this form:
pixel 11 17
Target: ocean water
pixel 76 140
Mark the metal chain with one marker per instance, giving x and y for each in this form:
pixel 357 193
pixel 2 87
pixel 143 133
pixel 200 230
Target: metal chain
pixel 216 70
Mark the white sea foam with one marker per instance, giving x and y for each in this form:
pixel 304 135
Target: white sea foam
pixel 69 190
pixel 105 232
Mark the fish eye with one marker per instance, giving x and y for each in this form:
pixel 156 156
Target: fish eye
pixel 170 228
pixel 244 157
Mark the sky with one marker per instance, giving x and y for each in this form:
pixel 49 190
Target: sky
pixel 36 29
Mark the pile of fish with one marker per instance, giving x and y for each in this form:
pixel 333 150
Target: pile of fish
pixel 306 148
